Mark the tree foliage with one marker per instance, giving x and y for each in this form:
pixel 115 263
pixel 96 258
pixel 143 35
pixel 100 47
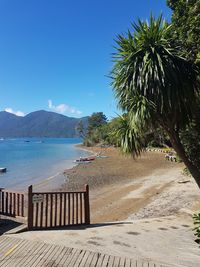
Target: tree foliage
pixel 154 85
pixel 186 26
pixel 186 29
pixel 96 131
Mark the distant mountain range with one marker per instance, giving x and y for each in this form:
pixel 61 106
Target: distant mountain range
pixel 39 124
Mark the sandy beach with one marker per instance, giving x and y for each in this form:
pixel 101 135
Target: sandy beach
pixel 125 188
pixel 140 209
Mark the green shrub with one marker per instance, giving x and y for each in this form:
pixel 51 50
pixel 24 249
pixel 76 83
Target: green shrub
pixel 196 229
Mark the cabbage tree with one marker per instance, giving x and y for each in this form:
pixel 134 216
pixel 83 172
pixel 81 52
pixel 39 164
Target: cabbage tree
pixel 155 86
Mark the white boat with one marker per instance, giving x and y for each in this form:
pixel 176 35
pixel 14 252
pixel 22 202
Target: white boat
pixel 3 169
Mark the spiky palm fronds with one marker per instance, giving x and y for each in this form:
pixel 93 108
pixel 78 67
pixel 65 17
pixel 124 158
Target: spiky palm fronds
pixel 146 65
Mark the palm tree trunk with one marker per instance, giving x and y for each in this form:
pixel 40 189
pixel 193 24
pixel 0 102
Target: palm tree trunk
pixel 178 147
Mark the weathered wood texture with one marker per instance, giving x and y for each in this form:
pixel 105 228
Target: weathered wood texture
pixel 12 203
pixel 18 252
pixel 58 209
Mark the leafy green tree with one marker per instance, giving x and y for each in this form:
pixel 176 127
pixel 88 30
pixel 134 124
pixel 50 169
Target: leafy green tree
pixel 155 86
pixel 186 26
pixel 96 129
pixel 96 120
pixel 81 129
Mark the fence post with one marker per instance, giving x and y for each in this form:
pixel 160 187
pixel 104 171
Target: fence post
pixel 87 204
pixel 30 207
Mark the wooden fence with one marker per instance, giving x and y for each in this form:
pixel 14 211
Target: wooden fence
pixel 57 209
pixel 12 203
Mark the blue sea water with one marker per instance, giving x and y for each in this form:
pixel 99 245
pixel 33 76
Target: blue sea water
pixel 37 161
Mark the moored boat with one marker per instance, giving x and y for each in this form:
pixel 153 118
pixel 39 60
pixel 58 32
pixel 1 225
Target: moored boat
pixel 85 159
pixel 3 170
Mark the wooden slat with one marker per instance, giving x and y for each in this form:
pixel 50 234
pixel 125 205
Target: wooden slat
pixel 95 260
pixel 46 211
pixel 34 254
pixel 17 245
pixel 72 208
pixel 41 214
pixel 60 256
pixel 136 263
pixel 79 259
pixel 51 210
pixel 64 212
pixel 70 257
pixel 122 262
pixel 2 203
pixel 116 262
pixel 14 204
pixel 10 204
pixel 55 210
pixel 17 254
pixel 105 261
pixel 69 204
pixel 18 205
pixel 51 259
pixel 84 259
pixel 36 214
pixel 74 258
pixel 58 192
pixel 60 218
pixel 24 256
pixel 76 208
pixel 90 258
pixel 48 250
pixel 128 263
pixel 6 203
pixel 110 261
pixel 100 260
pixel 22 205
pixel 81 209
pixel 66 255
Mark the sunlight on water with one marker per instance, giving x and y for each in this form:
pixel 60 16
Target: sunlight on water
pixel 32 160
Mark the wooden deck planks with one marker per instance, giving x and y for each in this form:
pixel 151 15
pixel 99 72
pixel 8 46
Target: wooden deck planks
pixel 84 259
pixel 43 256
pixel 15 247
pixel 25 253
pixel 22 256
pixel 26 259
pixel 30 250
pixel 110 261
pixel 62 257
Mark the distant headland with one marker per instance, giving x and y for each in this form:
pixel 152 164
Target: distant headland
pixel 39 124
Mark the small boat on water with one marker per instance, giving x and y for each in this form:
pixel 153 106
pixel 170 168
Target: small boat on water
pixel 86 159
pixel 3 170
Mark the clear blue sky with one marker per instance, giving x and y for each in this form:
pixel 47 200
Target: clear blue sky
pixel 55 52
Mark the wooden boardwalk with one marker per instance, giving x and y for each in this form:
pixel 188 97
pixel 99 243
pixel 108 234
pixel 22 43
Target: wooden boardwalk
pixel 25 253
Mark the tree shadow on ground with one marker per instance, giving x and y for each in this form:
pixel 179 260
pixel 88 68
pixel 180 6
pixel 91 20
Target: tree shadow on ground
pixel 83 226
pixel 7 225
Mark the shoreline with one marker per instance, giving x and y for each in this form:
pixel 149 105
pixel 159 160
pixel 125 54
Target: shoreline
pixel 50 180
pixel 122 188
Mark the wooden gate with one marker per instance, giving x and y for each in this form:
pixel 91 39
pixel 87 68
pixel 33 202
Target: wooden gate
pixel 12 203
pixel 58 209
